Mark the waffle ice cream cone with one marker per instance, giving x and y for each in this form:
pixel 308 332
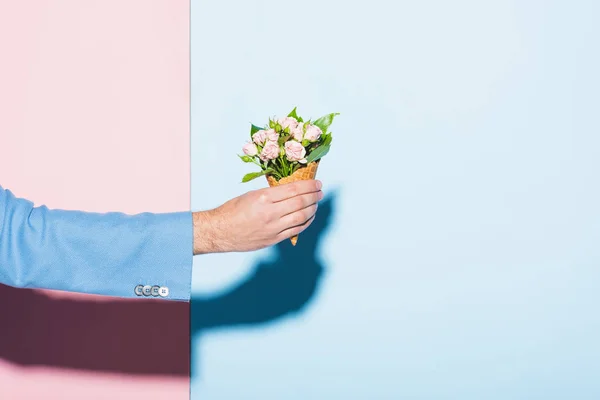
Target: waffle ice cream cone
pixel 303 173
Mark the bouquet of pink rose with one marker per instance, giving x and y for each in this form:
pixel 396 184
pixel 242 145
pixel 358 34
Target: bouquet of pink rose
pixel 286 145
pixel 288 149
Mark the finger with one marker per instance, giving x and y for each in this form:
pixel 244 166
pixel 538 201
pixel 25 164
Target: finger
pixel 295 230
pixel 293 189
pixel 290 206
pixel 297 218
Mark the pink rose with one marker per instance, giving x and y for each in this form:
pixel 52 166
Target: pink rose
pixel 298 132
pixel 313 133
pixel 250 149
pixel 260 137
pixel 272 135
pixel 295 151
pixel 270 151
pixel 288 122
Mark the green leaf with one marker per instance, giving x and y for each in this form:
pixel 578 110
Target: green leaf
pixel 300 119
pixel 317 154
pixel 293 113
pixel 254 129
pixel 283 139
pixel 254 175
pixel 325 121
pixel 326 139
pixel 246 158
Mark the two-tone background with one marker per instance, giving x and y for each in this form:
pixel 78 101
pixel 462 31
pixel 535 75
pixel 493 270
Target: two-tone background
pixel 456 255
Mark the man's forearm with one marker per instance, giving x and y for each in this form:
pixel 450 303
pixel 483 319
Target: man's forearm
pixel 204 240
pixel 109 254
pixel 257 219
pixel 135 255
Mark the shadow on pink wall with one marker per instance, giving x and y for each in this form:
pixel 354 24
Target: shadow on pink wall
pixel 137 336
pixel 134 336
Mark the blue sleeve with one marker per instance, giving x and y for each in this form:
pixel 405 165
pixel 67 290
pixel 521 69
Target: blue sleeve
pixel 113 254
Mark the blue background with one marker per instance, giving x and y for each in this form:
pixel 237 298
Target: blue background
pixel 456 255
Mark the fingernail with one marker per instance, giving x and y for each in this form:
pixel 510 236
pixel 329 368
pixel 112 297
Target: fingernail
pixel 319 185
pixel 320 195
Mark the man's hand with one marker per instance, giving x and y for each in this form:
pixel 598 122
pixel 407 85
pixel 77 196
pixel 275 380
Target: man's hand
pixel 257 219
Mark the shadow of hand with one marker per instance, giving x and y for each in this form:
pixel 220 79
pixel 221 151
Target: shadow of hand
pixel 278 287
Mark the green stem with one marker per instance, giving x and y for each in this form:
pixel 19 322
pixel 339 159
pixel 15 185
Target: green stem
pixel 287 167
pixel 281 165
pixel 257 163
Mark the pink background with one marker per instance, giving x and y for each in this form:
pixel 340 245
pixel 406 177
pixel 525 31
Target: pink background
pixel 94 115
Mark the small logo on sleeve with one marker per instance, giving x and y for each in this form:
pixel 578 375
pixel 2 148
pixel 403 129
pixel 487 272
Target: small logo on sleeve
pixel 154 291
